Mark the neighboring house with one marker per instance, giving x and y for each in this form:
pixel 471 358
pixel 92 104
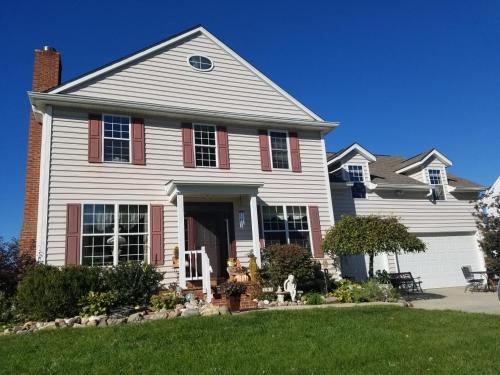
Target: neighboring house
pixel 430 201
pixel 181 145
pixel 491 195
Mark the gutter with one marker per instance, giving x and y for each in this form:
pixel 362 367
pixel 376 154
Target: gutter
pixel 40 100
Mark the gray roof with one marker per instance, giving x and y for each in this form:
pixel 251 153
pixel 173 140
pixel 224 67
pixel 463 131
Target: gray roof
pixel 383 171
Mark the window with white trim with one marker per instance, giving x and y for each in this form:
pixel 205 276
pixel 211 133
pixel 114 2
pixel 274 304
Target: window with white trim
pixel 279 149
pixel 358 189
pixel 116 138
pixel 114 234
pixel 285 225
pixel 205 145
pixel 201 63
pixel 436 183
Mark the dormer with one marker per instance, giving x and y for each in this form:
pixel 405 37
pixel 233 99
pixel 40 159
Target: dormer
pixel 350 166
pixel 429 168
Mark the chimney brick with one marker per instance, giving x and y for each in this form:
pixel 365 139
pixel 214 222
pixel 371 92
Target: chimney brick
pixel 46 75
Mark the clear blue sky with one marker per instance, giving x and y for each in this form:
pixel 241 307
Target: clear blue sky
pixel 400 76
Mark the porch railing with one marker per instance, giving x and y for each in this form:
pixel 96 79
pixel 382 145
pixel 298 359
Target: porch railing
pixel 198 268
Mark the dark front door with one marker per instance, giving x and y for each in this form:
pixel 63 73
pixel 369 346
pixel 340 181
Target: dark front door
pixel 211 225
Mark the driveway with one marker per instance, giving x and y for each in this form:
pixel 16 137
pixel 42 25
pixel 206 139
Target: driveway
pixel 456 299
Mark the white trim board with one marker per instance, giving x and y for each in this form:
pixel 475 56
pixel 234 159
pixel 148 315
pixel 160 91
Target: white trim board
pixel 355 147
pixel 176 39
pixel 435 153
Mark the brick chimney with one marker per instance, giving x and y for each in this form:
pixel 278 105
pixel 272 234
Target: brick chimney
pixel 46 74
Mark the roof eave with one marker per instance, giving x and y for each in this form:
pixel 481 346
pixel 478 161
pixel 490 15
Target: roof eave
pixel 435 152
pixel 40 100
pixel 355 146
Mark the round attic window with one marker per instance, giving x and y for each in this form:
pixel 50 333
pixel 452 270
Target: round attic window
pixel 201 63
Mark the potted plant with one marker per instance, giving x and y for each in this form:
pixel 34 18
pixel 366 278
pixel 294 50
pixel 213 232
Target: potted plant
pixel 233 292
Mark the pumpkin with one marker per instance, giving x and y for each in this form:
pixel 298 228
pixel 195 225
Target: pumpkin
pixel 242 278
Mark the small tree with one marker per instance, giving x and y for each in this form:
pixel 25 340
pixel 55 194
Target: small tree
pixel 487 215
pixel 370 235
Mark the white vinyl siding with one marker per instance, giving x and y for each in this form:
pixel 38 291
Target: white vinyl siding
pixel 74 180
pixel 166 78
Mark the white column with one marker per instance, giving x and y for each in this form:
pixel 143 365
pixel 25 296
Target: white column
pixel 180 236
pixel 255 228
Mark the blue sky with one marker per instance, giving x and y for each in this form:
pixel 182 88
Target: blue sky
pixel 400 76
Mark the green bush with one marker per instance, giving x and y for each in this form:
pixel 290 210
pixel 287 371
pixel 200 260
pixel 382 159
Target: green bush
pixel 279 261
pixel 371 291
pixel 48 292
pixel 345 291
pixel 313 299
pixel 6 308
pixel 134 283
pixel 166 300
pixel 13 266
pixel 97 303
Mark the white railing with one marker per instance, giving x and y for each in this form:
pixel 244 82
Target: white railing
pixel 198 268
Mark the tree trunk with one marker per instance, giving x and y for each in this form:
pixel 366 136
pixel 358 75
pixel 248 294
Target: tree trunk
pixel 370 267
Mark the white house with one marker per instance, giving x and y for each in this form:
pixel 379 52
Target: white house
pixel 181 145
pixel 430 201
pixel 491 195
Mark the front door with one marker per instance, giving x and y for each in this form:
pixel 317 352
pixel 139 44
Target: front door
pixel 211 225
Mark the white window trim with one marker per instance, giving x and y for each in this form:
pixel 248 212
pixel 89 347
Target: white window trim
pixel 285 213
pixel 116 230
pixel 441 176
pixel 129 139
pixel 269 131
pixel 202 55
pixel 364 178
pixel 216 146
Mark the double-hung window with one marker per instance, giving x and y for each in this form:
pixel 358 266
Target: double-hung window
pixel 285 225
pixel 205 145
pixel 436 184
pixel 279 149
pixel 114 234
pixel 358 188
pixel 116 138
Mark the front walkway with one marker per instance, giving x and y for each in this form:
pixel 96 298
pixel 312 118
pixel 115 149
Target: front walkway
pixel 456 299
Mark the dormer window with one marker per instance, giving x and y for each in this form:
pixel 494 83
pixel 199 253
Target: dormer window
pixel 436 183
pixel 358 188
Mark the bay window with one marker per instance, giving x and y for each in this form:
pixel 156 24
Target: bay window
pixel 114 234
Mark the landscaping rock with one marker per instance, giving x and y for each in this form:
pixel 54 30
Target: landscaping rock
pixel 71 321
pixel 92 323
pixel 78 325
pixel 84 321
pixel 116 321
pixel 174 314
pixel 159 315
pixel 330 300
pixel 209 310
pixel 135 318
pixel 190 312
pixel 102 323
pixel 48 326
pixel 223 310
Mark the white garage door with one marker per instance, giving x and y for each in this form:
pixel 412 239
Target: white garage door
pixel 440 266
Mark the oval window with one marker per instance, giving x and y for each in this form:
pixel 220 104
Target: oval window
pixel 201 63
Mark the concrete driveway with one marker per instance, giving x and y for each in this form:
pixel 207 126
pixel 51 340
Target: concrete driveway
pixel 456 299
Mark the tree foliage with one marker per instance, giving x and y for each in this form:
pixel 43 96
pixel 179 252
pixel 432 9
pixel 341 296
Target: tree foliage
pixel 487 215
pixel 13 265
pixel 370 235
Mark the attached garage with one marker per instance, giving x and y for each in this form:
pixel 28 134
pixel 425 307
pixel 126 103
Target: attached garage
pixel 441 265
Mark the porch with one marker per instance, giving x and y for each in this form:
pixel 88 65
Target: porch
pixel 215 221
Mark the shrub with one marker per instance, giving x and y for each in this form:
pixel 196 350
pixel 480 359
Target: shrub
pixel 234 289
pixel 134 283
pixel 313 299
pixel 6 308
pixel 13 266
pixel 48 292
pixel 279 261
pixel 382 277
pixel 371 291
pixel 97 303
pixel 345 291
pixel 166 300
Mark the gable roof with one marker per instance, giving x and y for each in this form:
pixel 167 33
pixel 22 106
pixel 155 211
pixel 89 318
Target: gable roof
pixel 421 158
pixel 134 57
pixel 333 157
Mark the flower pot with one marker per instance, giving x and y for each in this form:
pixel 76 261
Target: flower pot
pixel 234 303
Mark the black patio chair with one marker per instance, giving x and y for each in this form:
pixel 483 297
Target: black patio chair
pixel 473 283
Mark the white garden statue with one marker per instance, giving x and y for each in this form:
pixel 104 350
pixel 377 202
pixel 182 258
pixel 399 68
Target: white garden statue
pixel 290 286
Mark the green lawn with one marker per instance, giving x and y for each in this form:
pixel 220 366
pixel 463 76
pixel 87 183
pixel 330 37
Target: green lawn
pixel 363 340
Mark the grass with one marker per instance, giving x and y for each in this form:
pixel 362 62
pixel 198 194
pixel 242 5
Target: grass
pixel 362 340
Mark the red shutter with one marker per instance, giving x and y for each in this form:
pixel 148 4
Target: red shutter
pixel 138 142
pixel 295 151
pixel 73 218
pixel 187 145
pixel 95 139
pixel 265 160
pixel 157 243
pixel 315 231
pixel 223 147
pixel 192 233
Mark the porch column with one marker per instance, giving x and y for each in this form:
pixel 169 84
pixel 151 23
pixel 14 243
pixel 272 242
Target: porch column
pixel 180 236
pixel 255 228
